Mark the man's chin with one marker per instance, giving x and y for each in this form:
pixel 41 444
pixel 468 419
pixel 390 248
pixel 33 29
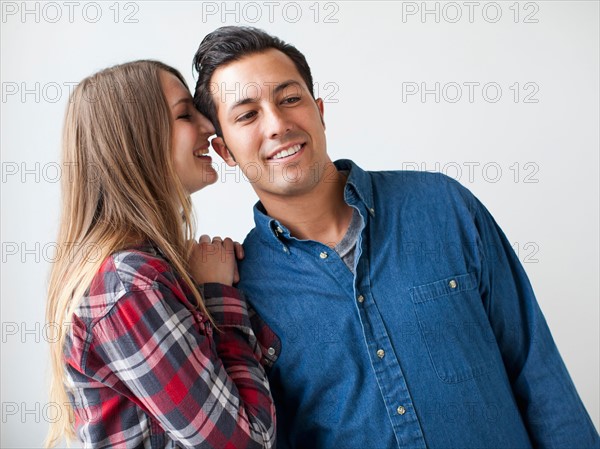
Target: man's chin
pixel 285 188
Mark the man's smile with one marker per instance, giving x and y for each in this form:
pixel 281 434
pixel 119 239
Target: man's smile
pixel 287 151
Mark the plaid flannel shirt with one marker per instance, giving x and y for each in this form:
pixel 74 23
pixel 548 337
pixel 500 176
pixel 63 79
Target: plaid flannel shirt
pixel 146 369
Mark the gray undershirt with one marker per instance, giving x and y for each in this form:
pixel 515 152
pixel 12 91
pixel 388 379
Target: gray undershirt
pixel 346 248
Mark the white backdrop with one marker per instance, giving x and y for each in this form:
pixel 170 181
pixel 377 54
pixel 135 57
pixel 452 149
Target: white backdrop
pixel 500 95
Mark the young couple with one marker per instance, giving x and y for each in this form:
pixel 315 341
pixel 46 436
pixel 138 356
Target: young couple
pixel 379 309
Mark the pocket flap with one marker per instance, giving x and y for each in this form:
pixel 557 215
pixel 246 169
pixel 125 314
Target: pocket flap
pixel 453 284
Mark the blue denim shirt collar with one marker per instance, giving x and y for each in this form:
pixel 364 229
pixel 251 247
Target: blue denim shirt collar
pixel 358 190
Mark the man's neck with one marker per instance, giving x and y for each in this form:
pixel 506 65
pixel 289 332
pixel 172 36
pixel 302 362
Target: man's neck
pixel 321 215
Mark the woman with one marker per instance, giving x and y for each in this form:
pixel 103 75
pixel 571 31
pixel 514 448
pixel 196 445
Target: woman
pixel 156 348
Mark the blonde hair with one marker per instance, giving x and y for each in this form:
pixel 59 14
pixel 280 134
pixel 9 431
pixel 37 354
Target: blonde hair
pixel 121 189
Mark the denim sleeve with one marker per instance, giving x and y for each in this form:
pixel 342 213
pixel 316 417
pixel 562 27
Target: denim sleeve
pixel 551 409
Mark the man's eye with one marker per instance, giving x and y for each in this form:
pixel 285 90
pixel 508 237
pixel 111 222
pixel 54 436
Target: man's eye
pixel 246 116
pixel 291 100
pixel 184 116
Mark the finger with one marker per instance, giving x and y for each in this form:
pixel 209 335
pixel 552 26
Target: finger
pixel 228 244
pixel 239 250
pixel 236 275
pixel 217 239
pixel 204 239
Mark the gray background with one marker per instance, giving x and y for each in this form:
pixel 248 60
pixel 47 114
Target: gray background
pixel 532 158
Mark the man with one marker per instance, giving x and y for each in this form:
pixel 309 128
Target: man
pixel 404 317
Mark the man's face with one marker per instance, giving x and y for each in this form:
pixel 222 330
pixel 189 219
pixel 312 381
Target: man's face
pixel 271 125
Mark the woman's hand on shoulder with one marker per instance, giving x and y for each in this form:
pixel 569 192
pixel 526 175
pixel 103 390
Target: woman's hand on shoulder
pixel 215 260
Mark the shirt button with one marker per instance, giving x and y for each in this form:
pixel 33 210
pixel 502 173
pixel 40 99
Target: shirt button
pixel 452 284
pixel 372 211
pixel 380 353
pixel 401 410
pixel 360 298
pixel 285 249
pixel 279 230
pixel 323 255
pixel 271 351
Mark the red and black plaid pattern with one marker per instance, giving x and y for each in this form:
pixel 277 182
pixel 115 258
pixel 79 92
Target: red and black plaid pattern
pixel 146 369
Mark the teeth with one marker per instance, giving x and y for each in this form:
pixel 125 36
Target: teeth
pixel 288 152
pixel 198 153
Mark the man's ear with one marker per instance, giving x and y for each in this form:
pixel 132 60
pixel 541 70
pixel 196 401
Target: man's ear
pixel 321 107
pixel 220 147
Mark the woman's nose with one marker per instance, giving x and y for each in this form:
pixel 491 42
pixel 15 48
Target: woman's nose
pixel 206 127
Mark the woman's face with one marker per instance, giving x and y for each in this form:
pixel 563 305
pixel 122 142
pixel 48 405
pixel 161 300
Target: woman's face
pixel 189 136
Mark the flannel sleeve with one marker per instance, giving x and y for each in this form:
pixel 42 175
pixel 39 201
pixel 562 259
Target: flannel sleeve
pixel 206 388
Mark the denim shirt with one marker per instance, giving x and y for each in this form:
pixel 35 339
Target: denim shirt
pixel 437 341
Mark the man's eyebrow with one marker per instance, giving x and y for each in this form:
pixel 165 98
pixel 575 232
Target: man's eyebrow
pixel 284 85
pixel 182 100
pixel 276 90
pixel 242 102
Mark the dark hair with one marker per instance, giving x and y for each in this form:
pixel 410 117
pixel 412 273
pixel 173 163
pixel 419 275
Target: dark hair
pixel 232 43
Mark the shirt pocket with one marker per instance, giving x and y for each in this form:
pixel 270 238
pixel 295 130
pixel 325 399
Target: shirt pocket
pixel 455 327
